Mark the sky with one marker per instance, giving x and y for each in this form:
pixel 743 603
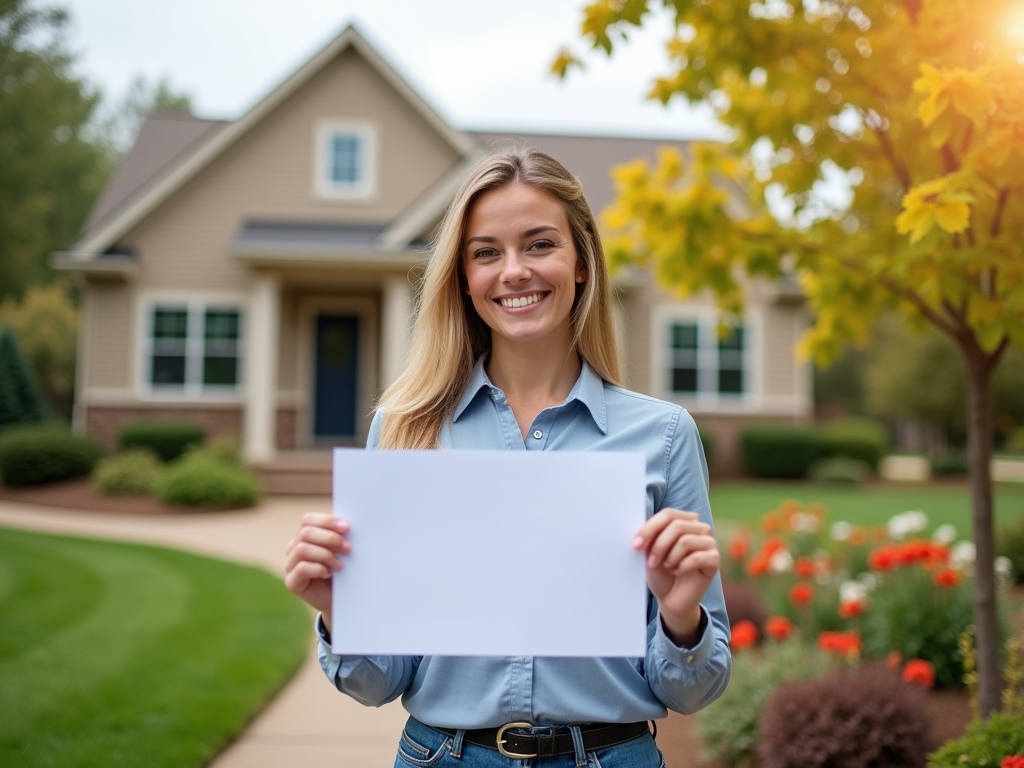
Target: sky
pixel 482 64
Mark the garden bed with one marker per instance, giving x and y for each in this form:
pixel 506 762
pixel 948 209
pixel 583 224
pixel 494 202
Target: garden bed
pixel 82 494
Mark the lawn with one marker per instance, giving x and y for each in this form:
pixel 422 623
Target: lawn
pixel 127 655
pixel 746 502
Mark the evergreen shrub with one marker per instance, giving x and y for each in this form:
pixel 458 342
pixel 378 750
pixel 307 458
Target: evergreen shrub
pixel 195 481
pixel 780 451
pixel 167 439
pixel 984 745
pixel 839 470
pixel 857 718
pixel 45 453
pixel 863 439
pixel 21 400
pixel 133 473
pixel 950 464
pixel 1010 544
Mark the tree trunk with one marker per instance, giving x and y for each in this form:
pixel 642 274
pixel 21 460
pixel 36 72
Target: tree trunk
pixel 979 454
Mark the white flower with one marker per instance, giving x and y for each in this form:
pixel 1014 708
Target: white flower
pixel 944 534
pixel 906 523
pixel 781 562
pixel 867 580
pixel 852 592
pixel 961 554
pixel 1003 566
pixel 803 522
pixel 841 531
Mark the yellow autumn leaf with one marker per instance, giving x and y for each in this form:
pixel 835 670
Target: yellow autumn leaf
pixel 938 201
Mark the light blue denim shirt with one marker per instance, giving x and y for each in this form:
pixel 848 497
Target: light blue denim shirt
pixel 471 692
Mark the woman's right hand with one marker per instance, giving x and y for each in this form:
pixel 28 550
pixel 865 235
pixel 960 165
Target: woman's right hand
pixel 311 559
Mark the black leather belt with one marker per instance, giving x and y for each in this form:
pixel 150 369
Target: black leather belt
pixel 525 745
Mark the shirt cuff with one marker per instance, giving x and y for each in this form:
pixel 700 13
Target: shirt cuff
pixel 681 655
pixel 322 631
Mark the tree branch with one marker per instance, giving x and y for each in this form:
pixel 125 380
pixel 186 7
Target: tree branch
pixel 887 149
pixel 997 219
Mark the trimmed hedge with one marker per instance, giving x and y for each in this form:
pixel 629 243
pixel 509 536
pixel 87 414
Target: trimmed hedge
pixel 132 473
pixel 44 453
pixel 839 470
pixel 780 451
pixel 167 439
pixel 861 439
pixel 199 482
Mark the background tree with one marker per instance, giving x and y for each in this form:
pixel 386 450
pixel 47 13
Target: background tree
pixel 45 324
pixel 920 105
pixel 50 171
pixel 118 125
pixel 20 399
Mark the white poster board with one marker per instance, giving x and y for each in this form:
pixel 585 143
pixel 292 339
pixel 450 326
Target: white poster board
pixel 490 553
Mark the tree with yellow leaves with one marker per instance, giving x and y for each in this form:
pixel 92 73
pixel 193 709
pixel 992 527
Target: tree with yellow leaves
pixel 919 106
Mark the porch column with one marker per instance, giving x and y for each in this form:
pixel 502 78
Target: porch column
pixel 261 341
pixel 396 316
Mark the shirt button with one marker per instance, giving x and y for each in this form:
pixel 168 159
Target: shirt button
pixel 689 659
pixel 538 434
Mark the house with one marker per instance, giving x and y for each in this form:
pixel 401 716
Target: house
pixel 258 276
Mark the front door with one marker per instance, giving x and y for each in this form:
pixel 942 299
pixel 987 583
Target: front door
pixel 335 396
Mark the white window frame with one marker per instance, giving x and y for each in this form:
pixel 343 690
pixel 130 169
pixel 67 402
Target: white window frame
pixel 324 186
pixel 707 397
pixel 193 389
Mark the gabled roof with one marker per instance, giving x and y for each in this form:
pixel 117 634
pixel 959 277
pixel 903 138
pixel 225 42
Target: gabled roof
pixel 118 211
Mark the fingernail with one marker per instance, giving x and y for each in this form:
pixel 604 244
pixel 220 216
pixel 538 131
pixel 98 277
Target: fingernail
pixel 652 561
pixel 638 542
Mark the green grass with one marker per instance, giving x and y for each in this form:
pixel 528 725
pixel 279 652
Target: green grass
pixel 746 502
pixel 128 655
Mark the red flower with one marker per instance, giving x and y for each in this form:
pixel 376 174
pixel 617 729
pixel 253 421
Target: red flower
pixel 843 643
pixel 804 567
pixel 1012 761
pixel 771 522
pixel 739 547
pixel 894 660
pixel 773 545
pixel 801 594
pixel 744 634
pixel 883 558
pixel 757 566
pixel 919 671
pixel 947 577
pixel 851 608
pixel 779 628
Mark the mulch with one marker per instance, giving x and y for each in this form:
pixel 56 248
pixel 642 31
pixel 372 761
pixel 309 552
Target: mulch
pixel 82 495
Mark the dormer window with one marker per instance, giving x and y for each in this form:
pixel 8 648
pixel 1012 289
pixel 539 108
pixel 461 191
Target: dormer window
pixel 345 163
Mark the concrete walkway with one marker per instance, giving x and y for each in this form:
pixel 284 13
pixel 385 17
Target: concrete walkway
pixel 309 722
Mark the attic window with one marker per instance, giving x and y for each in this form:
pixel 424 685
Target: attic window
pixel 345 160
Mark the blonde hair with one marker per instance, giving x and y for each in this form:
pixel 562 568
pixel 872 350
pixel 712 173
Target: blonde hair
pixel 449 335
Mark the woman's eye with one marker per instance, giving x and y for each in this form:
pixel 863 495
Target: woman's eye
pixel 484 253
pixel 542 245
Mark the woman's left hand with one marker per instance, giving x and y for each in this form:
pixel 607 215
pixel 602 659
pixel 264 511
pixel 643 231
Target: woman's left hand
pixel 682 559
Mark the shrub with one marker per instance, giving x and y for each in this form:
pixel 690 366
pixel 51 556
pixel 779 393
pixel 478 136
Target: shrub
pixel 860 717
pixel 1015 440
pixel 226 449
pixel 167 439
pixel 197 482
pixel 950 464
pixel 839 470
pixel 862 439
pixel 912 612
pixel 21 401
pixel 780 451
pixel 34 454
pixel 728 728
pixel 985 744
pixel 707 439
pixel 132 473
pixel 742 603
pixel 1010 544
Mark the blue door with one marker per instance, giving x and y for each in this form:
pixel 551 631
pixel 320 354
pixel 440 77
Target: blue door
pixel 337 353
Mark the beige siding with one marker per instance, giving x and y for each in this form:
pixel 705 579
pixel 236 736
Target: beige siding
pixel 111 340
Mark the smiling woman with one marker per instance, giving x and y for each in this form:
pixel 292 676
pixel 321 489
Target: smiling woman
pixel 128 655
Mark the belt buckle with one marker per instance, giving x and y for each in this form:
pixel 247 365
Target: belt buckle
pixel 501 742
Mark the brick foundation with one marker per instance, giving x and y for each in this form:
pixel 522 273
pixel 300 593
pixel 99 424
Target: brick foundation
pixel 727 461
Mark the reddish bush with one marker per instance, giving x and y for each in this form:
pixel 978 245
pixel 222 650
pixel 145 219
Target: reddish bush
pixel 742 603
pixel 862 717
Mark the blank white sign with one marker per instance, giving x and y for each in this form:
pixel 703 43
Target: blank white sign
pixel 490 553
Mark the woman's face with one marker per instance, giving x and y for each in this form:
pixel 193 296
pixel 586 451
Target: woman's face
pixel 521 265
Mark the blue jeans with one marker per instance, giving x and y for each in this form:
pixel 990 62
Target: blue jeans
pixel 423 747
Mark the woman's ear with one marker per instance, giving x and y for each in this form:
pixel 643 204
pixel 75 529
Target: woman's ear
pixel 581 273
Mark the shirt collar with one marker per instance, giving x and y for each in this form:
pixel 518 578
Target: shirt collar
pixel 588 389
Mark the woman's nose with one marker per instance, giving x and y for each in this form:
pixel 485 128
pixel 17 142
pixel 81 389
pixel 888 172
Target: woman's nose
pixel 515 268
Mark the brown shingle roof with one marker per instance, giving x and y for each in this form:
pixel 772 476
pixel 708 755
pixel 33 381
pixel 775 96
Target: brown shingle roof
pixel 163 139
